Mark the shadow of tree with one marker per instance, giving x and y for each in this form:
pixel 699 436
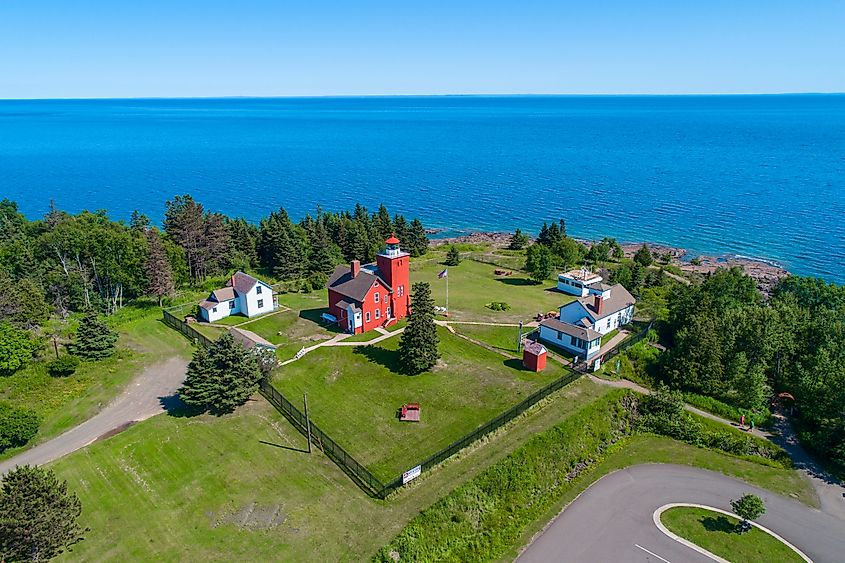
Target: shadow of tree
pixel 174 406
pixel 719 524
pixel 519 282
pixel 381 356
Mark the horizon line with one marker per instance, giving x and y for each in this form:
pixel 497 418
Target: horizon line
pixel 453 95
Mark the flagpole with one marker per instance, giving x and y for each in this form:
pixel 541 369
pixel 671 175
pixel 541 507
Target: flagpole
pixel 447 293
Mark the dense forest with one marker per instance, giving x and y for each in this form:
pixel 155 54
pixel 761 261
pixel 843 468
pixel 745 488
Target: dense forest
pixel 64 263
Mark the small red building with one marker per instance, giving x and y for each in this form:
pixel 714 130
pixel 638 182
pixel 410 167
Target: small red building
pixel 362 297
pixel 534 356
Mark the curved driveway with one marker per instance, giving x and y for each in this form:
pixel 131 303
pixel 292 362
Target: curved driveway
pixel 612 519
pixel 144 397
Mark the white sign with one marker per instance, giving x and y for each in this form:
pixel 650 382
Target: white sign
pixel 597 364
pixel 411 474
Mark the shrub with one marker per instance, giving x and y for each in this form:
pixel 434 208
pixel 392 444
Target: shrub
pixel 63 366
pixel 498 306
pixel 16 348
pixel 317 281
pixel 730 412
pixel 17 426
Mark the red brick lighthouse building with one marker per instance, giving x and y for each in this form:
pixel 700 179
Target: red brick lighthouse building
pixel 362 297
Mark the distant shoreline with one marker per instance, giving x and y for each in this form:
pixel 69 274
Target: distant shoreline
pixel 765 272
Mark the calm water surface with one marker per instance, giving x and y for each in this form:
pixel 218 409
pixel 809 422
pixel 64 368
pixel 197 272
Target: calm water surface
pixel 760 176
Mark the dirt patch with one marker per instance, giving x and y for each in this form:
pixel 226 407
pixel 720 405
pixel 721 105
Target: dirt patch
pixel 115 431
pixel 252 516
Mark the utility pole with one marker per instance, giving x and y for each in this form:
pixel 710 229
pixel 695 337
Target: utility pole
pixel 519 339
pixel 307 420
pixel 56 344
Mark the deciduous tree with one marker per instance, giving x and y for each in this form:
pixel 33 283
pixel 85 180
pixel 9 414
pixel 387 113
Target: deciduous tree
pixel 16 348
pixel 748 507
pixel 157 268
pixel 538 262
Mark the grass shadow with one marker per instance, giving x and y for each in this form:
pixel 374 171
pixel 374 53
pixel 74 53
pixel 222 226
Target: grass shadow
pixel 381 356
pixel 718 524
pixel 315 316
pixel 290 448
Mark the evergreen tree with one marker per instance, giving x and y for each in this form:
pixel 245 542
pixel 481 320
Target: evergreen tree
pixel 18 425
pixel 538 262
pixel 418 343
pixel 157 268
pixel 418 243
pixel 553 235
pixel 221 377
pixel 518 241
pixel 382 223
pixel 543 236
pixel 643 256
pixel 400 228
pixel 139 222
pixel 562 228
pixel 323 255
pixel 453 257
pixel 282 246
pixel 38 515
pixel 94 339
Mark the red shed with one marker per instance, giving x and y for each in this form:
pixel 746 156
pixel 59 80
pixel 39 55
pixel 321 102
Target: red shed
pixel 534 356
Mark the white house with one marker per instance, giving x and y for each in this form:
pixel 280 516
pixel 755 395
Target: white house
pixel 585 320
pixel 578 282
pixel 243 294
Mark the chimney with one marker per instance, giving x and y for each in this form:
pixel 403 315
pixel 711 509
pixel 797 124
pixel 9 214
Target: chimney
pixel 355 266
pixel 598 303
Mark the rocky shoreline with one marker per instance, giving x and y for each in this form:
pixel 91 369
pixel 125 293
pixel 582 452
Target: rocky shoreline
pixel 765 274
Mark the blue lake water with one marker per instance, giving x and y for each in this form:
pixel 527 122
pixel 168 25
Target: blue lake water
pixel 760 176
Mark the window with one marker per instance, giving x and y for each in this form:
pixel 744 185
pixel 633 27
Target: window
pixel 377 296
pixel 214 309
pixel 258 291
pixel 378 313
pixel 560 336
pixel 368 316
pixel 260 303
pixel 608 322
pixel 231 304
pixel 387 313
pixel 401 291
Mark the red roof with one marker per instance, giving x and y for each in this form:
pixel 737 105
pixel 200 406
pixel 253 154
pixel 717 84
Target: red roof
pixel 392 240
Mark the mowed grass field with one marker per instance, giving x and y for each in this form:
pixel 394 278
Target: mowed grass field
pixel 354 394
pixel 241 488
pixel 717 533
pixel 472 285
pixel 64 402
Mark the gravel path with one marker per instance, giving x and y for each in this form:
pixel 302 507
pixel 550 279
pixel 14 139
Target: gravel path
pixel 144 397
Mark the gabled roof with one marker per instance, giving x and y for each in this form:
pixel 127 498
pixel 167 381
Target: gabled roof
pixel 242 282
pixel 249 339
pixel 619 300
pixel 571 329
pixel 208 305
pixel 223 294
pixel 356 288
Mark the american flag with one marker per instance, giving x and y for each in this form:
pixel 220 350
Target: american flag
pixel 443 274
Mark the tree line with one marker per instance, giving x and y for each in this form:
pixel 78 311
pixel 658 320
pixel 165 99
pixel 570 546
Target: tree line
pixel 730 343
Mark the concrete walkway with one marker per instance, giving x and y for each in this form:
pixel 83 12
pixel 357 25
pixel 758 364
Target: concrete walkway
pixel 339 341
pixel 831 492
pixel 144 397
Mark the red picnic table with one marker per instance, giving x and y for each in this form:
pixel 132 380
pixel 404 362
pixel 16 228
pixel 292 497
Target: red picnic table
pixel 410 412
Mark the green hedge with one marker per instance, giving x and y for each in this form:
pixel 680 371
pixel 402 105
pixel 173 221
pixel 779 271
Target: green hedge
pixel 483 518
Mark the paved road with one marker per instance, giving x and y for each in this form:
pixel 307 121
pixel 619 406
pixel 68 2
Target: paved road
pixel 612 520
pixel 140 400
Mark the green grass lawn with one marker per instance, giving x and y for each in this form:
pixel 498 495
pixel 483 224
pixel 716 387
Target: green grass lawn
pixel 354 395
pixel 607 337
pixel 64 402
pixel 472 285
pixel 717 534
pixel 179 489
pixel 232 320
pixel 502 337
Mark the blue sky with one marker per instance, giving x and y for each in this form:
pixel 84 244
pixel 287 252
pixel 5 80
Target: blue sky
pixel 96 48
